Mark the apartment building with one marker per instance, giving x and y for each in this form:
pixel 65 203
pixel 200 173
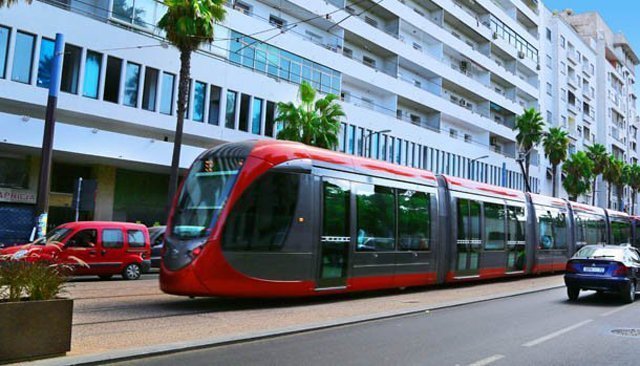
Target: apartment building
pixel 615 95
pixel 433 84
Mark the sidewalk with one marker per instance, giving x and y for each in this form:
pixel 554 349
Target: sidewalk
pixel 119 320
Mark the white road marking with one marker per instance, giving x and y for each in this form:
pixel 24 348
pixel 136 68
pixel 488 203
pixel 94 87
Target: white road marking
pixel 556 334
pixel 615 310
pixel 488 360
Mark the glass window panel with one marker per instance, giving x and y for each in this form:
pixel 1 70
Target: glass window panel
pixel 92 66
pixel 214 105
pixel 261 60
pixel 273 61
pixel 135 238
pixel 269 119
pixel 351 137
pixel 23 58
pixel 256 119
pixel 47 48
pixel 494 222
pixel 285 66
pixel 123 10
pixel 414 220
pixel 146 13
pixel 112 238
pixel 166 96
pixel 234 51
pixel 150 89
pixel 620 232
pixel 230 113
pixel 132 84
pixel 245 102
pixel 248 54
pixel 375 221
pixel 336 207
pixel 552 227
pixel 112 79
pixel 4 50
pixel 199 97
pixel 70 69
pixel 516 224
pixel 295 73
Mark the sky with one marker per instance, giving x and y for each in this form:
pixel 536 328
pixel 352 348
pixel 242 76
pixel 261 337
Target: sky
pixel 620 15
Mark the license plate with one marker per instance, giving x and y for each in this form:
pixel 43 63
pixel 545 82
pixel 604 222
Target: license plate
pixel 593 269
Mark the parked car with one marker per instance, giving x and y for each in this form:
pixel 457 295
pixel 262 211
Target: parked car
pixel 604 268
pixel 107 248
pixel 156 234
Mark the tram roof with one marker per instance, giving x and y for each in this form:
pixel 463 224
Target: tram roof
pixel 618 214
pixel 471 186
pixel 548 201
pixel 586 208
pixel 277 152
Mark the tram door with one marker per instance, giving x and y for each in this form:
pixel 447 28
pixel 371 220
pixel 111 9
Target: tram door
pixel 335 236
pixel 469 240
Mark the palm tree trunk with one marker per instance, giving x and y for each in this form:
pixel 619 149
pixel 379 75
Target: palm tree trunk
pixel 593 197
pixel 183 90
pixel 609 195
pixel 633 202
pixel 554 180
pixel 527 162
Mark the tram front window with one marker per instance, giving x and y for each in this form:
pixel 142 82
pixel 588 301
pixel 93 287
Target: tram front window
pixel 203 196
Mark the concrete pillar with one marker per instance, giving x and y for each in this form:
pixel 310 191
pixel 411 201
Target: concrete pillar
pixel 105 193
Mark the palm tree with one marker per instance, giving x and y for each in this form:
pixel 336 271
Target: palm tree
pixel 8 3
pixel 313 122
pixel 598 154
pixel 555 144
pixel 579 169
pixel 613 175
pixel 187 24
pixel 633 181
pixel 529 126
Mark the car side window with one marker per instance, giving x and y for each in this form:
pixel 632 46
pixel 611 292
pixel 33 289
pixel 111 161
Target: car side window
pixel 159 240
pixel 83 239
pixel 633 253
pixel 136 238
pixel 112 238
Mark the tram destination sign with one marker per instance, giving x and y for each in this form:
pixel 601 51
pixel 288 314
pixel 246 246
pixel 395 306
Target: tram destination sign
pixel 17 196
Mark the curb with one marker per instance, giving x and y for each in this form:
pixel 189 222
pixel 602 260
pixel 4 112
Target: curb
pixel 176 347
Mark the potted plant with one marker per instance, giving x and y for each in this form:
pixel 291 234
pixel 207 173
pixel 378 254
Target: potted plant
pixel 34 321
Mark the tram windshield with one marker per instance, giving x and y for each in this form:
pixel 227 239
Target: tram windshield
pixel 203 196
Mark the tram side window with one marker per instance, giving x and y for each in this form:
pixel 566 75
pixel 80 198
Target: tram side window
pixel 494 226
pixel 468 219
pixel 621 232
pixel 261 219
pixel 516 223
pixel 414 220
pixel 590 229
pixel 552 225
pixel 376 218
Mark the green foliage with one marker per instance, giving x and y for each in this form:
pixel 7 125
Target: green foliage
pixel 33 281
pixel 188 24
pixel 633 181
pixel 613 174
pixel 529 126
pixel 579 170
pixel 8 3
pixel 313 122
pixel 555 144
pixel 598 154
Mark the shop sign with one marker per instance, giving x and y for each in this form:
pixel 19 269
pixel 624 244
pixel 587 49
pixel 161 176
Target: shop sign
pixel 17 196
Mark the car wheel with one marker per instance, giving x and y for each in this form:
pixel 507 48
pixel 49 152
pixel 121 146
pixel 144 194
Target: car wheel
pixel 629 293
pixel 131 272
pixel 573 292
pixel 105 277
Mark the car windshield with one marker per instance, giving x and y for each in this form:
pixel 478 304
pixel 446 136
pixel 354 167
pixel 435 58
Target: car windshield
pixel 600 252
pixel 204 194
pixel 55 235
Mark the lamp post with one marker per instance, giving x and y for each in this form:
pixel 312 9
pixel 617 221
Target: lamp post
pixel 366 138
pixel 470 167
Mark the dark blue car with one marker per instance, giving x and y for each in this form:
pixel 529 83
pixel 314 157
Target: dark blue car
pixel 604 268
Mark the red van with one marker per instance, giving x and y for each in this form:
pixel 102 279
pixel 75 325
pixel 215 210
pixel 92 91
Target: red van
pixel 107 248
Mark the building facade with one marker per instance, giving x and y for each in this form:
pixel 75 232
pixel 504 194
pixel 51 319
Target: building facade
pixel 433 84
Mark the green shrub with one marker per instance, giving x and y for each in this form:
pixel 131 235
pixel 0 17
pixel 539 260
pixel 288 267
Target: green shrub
pixel 20 280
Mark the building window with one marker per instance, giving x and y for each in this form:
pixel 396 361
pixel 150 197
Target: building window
pixel 14 173
pixel 230 112
pixel 549 89
pixel 23 58
pixel 166 96
pixel 256 119
pixel 548 34
pixel 132 85
pixel 269 121
pixel 92 66
pixel 70 69
pixel 199 97
pixel 214 105
pixel 112 79
pixel 376 223
pixel 562 41
pixel 4 49
pixel 245 103
pixel 351 137
pixel 277 22
pixel 549 62
pixel 47 48
pixel 150 89
pixel 549 117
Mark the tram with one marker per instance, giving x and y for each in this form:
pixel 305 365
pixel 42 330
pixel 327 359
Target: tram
pixel 281 219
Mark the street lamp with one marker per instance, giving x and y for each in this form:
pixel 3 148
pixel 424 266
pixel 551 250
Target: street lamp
pixel 470 167
pixel 366 138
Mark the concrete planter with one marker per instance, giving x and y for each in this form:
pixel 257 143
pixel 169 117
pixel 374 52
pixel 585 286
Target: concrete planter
pixel 35 329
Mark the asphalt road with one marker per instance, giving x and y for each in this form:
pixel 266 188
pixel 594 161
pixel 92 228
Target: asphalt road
pixel 536 329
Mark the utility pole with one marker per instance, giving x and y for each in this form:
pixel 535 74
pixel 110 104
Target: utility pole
pixel 44 180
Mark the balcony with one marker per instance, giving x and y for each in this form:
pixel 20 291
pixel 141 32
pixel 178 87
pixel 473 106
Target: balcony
pixel 571 56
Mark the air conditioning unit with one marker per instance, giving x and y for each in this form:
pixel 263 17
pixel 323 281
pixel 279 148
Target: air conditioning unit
pixel 520 54
pixel 347 52
pixel 464 65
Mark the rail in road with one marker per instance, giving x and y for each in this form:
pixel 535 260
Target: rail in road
pixel 115 315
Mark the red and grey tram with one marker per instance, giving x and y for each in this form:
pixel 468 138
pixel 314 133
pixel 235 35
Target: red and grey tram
pixel 280 219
